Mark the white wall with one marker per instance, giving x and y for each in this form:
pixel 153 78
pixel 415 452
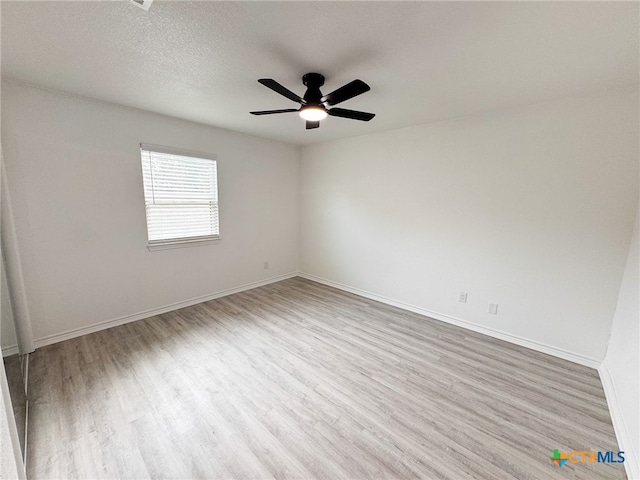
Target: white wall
pixel 73 170
pixel 530 208
pixel 621 367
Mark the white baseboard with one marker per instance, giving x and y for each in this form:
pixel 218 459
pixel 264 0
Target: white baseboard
pixel 524 342
pixel 10 350
pixel 96 327
pixel 632 460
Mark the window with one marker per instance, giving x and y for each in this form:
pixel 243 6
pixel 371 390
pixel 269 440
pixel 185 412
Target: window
pixel 181 195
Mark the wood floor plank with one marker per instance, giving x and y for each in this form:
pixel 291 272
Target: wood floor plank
pixel 296 380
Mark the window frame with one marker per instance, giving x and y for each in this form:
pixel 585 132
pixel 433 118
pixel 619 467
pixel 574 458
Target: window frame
pixel 163 244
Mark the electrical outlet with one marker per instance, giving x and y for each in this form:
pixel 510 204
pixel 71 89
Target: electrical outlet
pixel 144 4
pixel 493 308
pixel 462 297
pixel 266 265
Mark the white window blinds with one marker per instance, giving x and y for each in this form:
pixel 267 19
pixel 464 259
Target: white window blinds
pixel 181 195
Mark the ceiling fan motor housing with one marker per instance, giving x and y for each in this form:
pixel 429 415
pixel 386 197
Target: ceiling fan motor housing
pixel 313 82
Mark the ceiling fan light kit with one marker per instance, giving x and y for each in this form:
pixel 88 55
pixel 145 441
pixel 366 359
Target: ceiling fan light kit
pixel 313 105
pixel 313 113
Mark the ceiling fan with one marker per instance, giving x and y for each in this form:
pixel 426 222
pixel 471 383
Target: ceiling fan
pixel 314 105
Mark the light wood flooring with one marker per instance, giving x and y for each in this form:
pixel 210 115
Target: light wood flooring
pixel 299 380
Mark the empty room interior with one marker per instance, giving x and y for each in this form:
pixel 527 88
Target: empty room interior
pixel 337 240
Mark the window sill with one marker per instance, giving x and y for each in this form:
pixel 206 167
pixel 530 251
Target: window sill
pixel 182 243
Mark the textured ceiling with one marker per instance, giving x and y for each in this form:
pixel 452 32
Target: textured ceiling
pixel 424 61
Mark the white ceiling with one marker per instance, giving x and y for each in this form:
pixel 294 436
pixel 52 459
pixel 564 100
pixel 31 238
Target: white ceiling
pixel 424 61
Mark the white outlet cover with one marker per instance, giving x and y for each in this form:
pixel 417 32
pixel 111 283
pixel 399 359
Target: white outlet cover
pixel 144 4
pixel 493 308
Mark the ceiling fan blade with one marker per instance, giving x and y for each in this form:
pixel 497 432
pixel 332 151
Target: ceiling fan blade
pixel 352 114
pixel 350 90
pixel 311 124
pixel 269 112
pixel 276 87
